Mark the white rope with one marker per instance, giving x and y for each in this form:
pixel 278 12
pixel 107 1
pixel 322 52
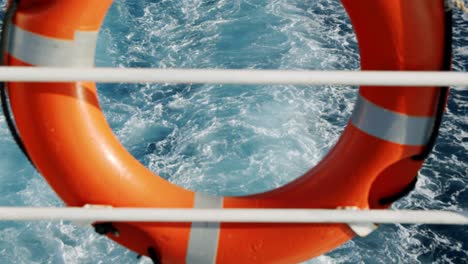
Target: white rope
pixel 218 76
pixel 233 215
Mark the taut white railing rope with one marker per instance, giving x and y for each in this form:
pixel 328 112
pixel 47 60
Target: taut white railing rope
pixel 220 76
pixel 233 215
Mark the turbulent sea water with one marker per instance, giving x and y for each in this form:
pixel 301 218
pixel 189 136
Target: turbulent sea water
pixel 231 139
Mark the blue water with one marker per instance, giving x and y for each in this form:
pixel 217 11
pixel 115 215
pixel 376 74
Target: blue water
pixel 231 139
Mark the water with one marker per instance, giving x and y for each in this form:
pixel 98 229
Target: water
pixel 234 139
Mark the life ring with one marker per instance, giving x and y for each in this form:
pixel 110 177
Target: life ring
pixel 71 144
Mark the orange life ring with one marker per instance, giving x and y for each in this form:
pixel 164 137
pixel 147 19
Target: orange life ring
pixel 71 144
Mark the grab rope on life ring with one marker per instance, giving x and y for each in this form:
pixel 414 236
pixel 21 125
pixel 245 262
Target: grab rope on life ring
pixel 372 164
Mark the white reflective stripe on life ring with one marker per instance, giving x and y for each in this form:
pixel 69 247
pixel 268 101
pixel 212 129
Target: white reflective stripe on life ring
pixel 45 51
pixel 204 237
pixel 391 126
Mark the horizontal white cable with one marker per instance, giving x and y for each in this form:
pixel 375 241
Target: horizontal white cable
pixel 233 215
pixel 221 76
